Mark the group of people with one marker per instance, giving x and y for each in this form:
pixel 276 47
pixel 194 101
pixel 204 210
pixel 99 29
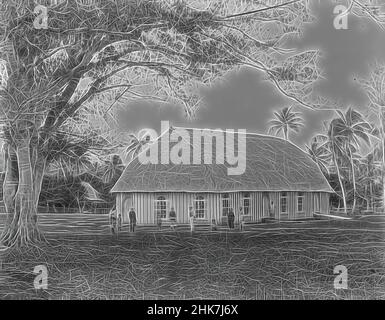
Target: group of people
pixel 214 224
pixel 171 219
pixel 116 220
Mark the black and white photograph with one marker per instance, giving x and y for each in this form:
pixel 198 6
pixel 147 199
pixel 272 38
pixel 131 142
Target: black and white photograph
pixel 192 150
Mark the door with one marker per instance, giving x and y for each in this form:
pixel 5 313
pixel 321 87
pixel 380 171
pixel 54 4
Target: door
pixel 225 199
pixel 266 204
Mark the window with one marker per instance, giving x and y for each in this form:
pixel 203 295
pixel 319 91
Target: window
pixel 300 201
pixel 200 207
pixel 246 204
pixel 284 202
pixel 161 207
pixel 225 204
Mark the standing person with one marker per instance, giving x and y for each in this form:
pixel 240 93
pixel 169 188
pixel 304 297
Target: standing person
pixel 159 219
pixel 192 218
pixel 231 218
pixel 271 209
pixel 132 217
pixel 112 218
pixel 172 216
pixel 119 222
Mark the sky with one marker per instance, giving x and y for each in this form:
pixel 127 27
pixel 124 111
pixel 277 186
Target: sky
pixel 245 101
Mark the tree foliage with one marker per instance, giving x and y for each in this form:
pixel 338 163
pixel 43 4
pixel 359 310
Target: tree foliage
pixel 285 121
pixel 354 174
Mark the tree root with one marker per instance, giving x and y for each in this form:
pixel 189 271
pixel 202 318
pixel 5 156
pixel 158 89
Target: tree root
pixel 21 237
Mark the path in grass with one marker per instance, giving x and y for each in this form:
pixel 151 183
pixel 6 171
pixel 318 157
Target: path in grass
pixel 287 260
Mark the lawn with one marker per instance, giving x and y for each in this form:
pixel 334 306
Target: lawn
pixel 293 260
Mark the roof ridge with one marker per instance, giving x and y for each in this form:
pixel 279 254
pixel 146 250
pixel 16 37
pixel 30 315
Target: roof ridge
pixel 235 130
pixel 261 135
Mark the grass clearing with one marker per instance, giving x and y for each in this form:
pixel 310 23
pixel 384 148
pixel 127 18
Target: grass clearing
pixel 272 261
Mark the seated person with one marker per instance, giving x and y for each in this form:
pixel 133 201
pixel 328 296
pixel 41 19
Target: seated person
pixel 214 226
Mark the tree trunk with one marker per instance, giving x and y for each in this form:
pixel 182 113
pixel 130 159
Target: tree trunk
pixel 23 228
pixel 340 181
pixel 38 167
pixel 353 178
pixel 10 183
pixel 371 207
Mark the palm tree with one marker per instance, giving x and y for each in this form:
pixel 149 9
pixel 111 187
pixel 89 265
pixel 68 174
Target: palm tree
pixel 331 144
pixel 369 176
pixel 350 129
pixel 284 121
pixel 320 154
pixel 136 143
pixel 374 86
pixel 113 170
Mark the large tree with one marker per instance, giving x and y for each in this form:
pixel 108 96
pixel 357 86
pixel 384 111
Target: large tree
pixel 374 86
pixel 350 128
pixel 121 49
pixel 369 179
pixel 332 142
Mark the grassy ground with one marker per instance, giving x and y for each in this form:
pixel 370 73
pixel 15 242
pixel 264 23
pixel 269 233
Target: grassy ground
pixel 293 260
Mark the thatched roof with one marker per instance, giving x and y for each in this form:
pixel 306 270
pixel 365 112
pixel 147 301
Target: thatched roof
pixel 272 164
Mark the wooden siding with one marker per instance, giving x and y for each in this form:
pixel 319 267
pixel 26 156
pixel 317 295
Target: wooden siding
pixel 144 204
